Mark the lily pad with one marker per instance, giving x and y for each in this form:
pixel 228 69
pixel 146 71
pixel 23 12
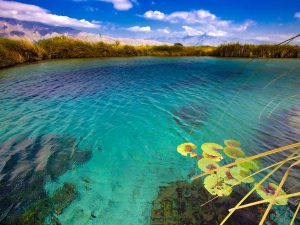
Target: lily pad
pixel 269 191
pixel 249 165
pixel 205 164
pixel 232 143
pixel 234 152
pixel 212 149
pixel 186 149
pixel 213 158
pixel 240 173
pixel 215 186
pixel 226 175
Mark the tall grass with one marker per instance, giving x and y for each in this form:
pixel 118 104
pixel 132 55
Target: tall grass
pixel 19 51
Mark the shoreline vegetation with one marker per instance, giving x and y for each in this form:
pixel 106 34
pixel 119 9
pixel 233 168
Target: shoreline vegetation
pixel 13 52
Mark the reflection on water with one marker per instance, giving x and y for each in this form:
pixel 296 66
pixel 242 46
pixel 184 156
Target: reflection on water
pixel 132 114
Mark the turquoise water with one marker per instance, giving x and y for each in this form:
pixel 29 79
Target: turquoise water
pixel 132 114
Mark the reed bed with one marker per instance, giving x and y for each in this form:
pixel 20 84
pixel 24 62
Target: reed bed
pixel 13 52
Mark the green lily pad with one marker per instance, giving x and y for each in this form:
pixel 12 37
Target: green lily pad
pixel 205 164
pixel 249 165
pixel 226 175
pixel 212 149
pixel 240 173
pixel 215 186
pixel 213 158
pixel 186 149
pixel 234 152
pixel 269 191
pixel 232 143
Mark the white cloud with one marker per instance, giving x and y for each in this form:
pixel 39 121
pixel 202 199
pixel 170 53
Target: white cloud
pixel 200 22
pixel 297 15
pixel 262 38
pixel 155 15
pixel 191 31
pixel 164 30
pixel 27 12
pixel 120 4
pixel 191 17
pixel 139 29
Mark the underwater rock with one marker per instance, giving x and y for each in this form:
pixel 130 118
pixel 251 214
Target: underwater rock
pixel 37 212
pixel 190 116
pixel 27 163
pixel 180 203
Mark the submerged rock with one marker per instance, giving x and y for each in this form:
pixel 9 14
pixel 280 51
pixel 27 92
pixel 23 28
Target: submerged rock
pixel 27 163
pixel 180 203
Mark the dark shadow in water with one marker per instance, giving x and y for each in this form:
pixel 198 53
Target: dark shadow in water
pixel 280 129
pixel 191 116
pixel 27 163
pixel 180 203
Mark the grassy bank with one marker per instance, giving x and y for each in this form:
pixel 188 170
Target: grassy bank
pixel 13 52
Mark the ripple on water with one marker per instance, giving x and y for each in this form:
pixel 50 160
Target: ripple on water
pixel 137 110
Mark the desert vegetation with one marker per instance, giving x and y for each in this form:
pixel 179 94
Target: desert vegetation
pixel 13 52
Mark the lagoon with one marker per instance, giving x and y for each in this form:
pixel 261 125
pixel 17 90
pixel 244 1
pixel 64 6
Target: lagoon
pixel 131 114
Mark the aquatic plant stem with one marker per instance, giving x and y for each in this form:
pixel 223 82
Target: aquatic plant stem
pixel 268 167
pixel 295 214
pixel 284 148
pixel 273 199
pixel 266 200
pixel 257 185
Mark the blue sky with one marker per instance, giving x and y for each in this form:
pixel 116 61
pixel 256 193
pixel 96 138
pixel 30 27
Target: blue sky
pixel 187 21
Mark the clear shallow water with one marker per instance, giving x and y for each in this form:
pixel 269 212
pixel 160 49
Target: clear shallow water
pixel 132 113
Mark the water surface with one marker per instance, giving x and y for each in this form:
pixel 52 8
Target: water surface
pixel 132 113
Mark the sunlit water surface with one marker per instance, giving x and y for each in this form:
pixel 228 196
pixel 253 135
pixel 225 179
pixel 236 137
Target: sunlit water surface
pixel 132 113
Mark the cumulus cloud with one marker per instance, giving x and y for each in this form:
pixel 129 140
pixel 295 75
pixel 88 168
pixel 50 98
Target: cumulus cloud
pixel 139 29
pixel 155 15
pixel 190 31
pixel 200 22
pixel 191 17
pixel 120 4
pixel 27 12
pixel 297 15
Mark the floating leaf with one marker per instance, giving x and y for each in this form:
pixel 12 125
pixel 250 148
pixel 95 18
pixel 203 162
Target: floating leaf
pixel 234 152
pixel 216 186
pixel 249 165
pixel 213 158
pixel 205 164
pixel 186 149
pixel 269 191
pixel 232 143
pixel 212 149
pixel 240 173
pixel 226 175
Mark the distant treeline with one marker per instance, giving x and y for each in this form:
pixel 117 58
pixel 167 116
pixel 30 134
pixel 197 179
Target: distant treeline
pixel 13 52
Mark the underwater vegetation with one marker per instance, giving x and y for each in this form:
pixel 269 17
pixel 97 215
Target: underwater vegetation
pixel 27 163
pixel 219 180
pixel 37 212
pixel 182 202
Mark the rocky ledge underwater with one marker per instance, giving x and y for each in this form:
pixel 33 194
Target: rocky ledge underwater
pixel 26 164
pixel 188 203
